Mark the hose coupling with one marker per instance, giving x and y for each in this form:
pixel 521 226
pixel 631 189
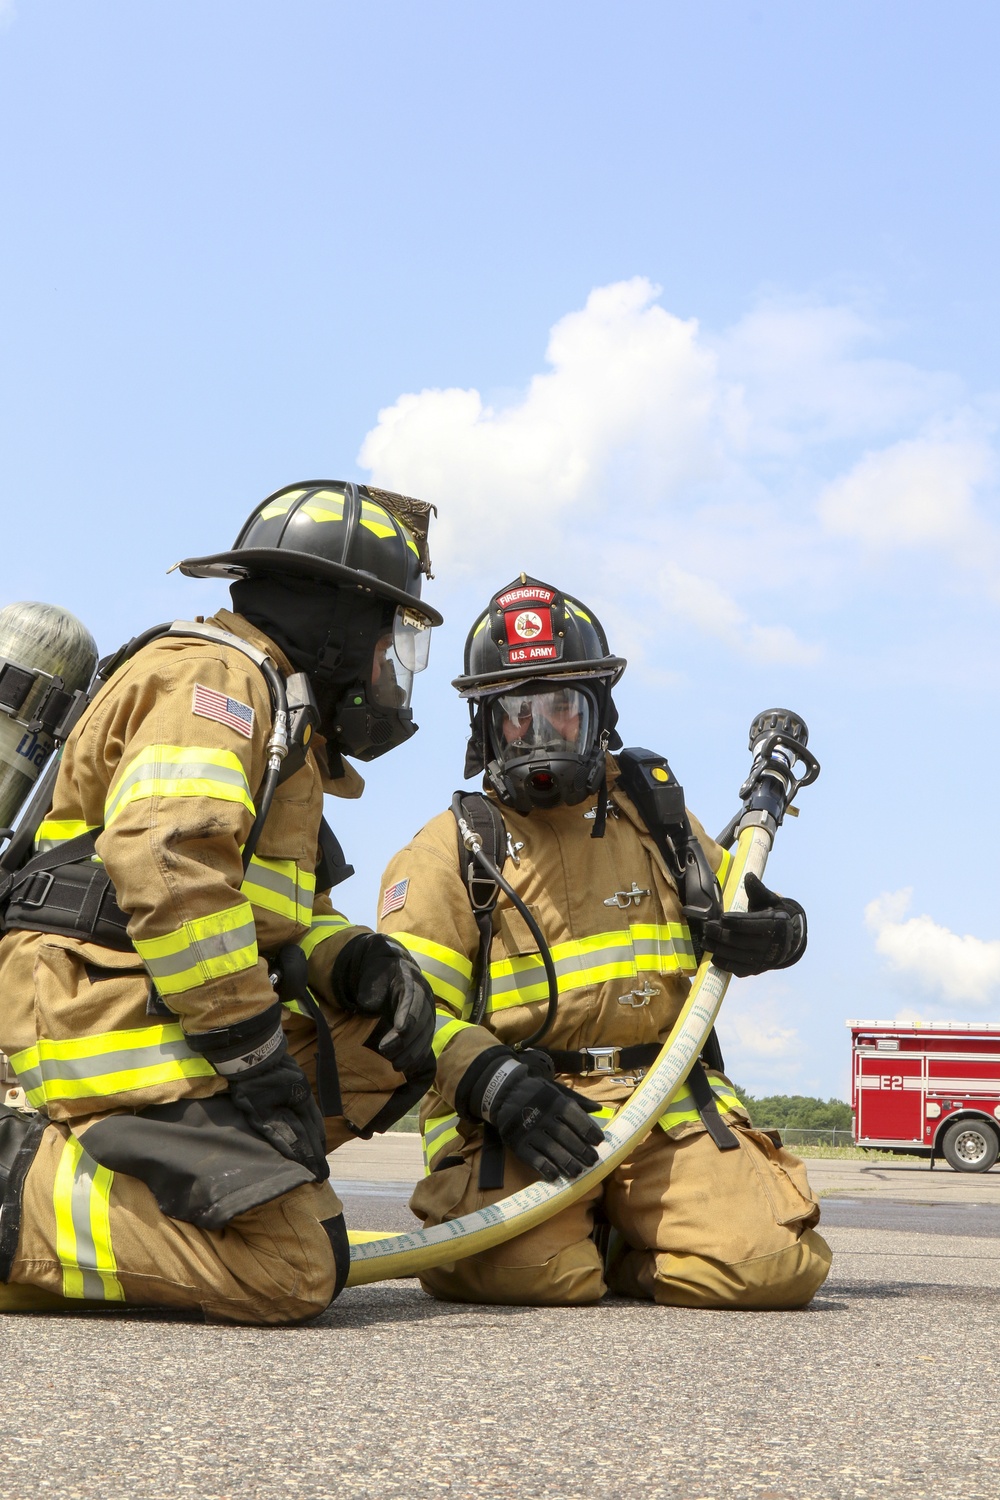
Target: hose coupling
pixel 277 745
pixel 470 838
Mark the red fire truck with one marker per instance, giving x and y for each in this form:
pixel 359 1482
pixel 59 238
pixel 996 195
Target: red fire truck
pixel 928 1089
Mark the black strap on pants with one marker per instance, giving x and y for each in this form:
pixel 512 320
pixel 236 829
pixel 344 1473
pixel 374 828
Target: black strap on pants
pixel 491 1160
pixel 704 1098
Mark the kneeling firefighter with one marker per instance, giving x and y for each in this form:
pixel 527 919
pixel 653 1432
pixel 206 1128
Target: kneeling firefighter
pixel 193 1022
pixel 557 984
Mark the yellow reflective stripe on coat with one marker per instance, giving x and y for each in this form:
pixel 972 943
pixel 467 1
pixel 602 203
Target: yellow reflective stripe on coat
pixel 111 1062
pixel 279 886
pixel 448 972
pixel 55 831
pixel 437 1133
pixel 206 948
pixel 645 948
pixel 322 927
pixel 683 1109
pixel 179 771
pixel 446 1027
pixel 81 1200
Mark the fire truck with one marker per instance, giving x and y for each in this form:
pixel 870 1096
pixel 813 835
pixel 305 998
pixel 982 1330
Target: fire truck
pixel 928 1089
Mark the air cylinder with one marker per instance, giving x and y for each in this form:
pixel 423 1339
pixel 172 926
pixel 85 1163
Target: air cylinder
pixel 49 639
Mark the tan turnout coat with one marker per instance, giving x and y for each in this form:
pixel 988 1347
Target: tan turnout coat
pixel 172 792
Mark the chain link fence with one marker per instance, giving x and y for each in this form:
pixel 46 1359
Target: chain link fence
pixel 819 1136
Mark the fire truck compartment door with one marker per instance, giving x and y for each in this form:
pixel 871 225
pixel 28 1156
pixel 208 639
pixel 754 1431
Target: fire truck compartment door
pixel 890 1096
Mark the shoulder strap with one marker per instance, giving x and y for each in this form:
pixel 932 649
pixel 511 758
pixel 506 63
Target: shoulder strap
pixel 485 819
pixel 658 797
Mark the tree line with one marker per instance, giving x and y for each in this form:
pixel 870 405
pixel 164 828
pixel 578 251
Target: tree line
pixel 796 1111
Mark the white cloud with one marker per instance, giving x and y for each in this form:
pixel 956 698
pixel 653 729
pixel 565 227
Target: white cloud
pixel 653 468
pixel 629 385
pixel 703 603
pixel 917 492
pixel 807 376
pixel 764 1051
pixel 961 969
pixel 762 1037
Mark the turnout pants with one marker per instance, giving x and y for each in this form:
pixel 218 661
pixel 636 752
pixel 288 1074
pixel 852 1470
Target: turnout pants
pixel 696 1227
pixel 92 1237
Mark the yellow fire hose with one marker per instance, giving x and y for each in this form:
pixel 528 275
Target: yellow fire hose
pixel 379 1258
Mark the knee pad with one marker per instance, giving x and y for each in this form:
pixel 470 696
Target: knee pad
pixel 336 1233
pixel 20 1134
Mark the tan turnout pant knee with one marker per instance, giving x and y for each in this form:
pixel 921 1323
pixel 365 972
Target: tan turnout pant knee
pixel 698 1227
pixel 89 1235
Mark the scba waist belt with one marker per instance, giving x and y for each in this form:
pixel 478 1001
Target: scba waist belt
pixel 73 897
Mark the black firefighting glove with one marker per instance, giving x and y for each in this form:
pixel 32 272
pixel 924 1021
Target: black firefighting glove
pixel 376 976
pixel 770 934
pixel 544 1123
pixel 268 1087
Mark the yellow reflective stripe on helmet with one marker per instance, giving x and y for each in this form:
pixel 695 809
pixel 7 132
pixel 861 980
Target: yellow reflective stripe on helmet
pixel 683 1109
pixel 280 507
pixel 279 886
pixel 323 927
pixel 645 948
pixel 437 1133
pixel 110 1062
pixel 81 1200
pixel 376 520
pixel 55 831
pixel 724 868
pixel 448 972
pixel 179 771
pixel 445 1028
pixel 206 948
pixel 326 506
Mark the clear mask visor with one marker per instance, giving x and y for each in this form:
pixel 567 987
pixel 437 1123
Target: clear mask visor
pixel 555 722
pixel 398 657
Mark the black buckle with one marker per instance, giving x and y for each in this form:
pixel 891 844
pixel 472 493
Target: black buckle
pixel 36 901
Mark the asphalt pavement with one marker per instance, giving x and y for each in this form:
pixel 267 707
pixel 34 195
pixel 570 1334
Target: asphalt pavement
pixel 881 1388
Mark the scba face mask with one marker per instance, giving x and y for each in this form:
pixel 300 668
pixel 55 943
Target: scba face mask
pixel 547 748
pixel 372 716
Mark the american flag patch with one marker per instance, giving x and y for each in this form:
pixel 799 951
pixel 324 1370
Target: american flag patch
pixel 394 897
pixel 208 704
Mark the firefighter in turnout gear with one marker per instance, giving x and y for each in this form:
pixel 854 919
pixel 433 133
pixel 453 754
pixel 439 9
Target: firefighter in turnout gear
pixel 707 1211
pixel 194 1022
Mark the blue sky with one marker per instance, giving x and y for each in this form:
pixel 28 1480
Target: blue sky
pixel 689 308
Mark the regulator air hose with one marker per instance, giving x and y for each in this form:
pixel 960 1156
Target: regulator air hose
pixel 277 749
pixel 476 849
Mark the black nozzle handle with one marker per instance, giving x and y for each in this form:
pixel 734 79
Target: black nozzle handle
pixel 782 764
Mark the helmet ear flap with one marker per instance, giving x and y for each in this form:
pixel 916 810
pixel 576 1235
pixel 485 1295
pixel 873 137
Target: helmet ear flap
pixel 615 741
pixel 475 750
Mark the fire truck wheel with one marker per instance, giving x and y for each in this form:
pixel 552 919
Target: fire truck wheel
pixel 970 1146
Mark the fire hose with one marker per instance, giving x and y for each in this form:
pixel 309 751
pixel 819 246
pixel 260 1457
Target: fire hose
pixel 778 741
